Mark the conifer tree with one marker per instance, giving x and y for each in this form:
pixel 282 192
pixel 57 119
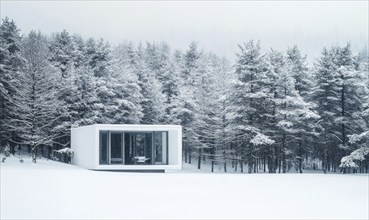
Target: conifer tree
pixel 248 98
pixel 35 99
pixel 12 65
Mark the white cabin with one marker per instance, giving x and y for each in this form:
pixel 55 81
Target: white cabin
pixel 127 147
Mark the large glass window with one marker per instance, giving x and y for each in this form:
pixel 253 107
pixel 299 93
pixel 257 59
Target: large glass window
pixel 104 147
pixel 160 147
pixel 128 150
pixel 147 147
pixel 116 147
pixel 140 144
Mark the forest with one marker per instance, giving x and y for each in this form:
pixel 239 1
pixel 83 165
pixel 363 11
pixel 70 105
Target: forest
pixel 266 111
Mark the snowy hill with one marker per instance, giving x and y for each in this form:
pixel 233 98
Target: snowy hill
pixel 49 190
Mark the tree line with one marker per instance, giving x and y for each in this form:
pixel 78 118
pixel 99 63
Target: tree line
pixel 268 111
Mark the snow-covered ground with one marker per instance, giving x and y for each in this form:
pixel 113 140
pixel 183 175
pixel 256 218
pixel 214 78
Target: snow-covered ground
pixel 49 190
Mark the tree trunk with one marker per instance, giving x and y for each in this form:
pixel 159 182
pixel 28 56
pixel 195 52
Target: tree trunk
pixel 324 161
pixel 249 166
pixel 260 164
pixel 42 151
pixel 12 149
pixel 241 165
pixel 271 162
pixel 300 156
pixel 255 165
pixel 212 166
pixel 283 152
pixel 300 165
pixel 284 162
pixel 199 159
pixel 34 154
pixel 225 166
pixel 275 165
pixel 189 155
pixel 186 152
pixel 49 149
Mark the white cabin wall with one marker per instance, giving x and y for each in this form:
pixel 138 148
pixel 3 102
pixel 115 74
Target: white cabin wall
pixel 172 147
pixel 84 146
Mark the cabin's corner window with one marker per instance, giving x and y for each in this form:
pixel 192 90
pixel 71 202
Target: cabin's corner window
pixel 160 147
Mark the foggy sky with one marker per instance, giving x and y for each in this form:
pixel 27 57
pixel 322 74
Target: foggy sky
pixel 217 26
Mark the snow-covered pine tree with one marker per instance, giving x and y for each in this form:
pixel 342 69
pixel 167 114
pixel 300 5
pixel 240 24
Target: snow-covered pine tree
pixel 340 101
pixel 327 96
pixel 62 56
pixel 205 96
pixel 121 97
pixel 221 149
pixel 186 110
pixel 35 99
pixel 211 85
pixel 352 86
pixel 170 88
pixel 79 51
pixel 359 158
pixel 191 63
pixel 172 84
pixel 159 63
pixel 61 47
pixel 152 101
pixel 122 92
pixel 84 66
pixel 12 65
pixel 290 109
pixel 98 56
pixel 87 99
pixel 93 78
pixel 304 81
pixel 184 113
pixel 248 99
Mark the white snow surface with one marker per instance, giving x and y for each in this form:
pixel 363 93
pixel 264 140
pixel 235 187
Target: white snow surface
pixel 52 190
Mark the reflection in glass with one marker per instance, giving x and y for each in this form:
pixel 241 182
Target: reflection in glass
pixel 140 145
pixel 158 147
pixel 148 148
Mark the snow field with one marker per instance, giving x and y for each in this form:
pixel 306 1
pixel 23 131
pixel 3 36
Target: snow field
pixel 49 190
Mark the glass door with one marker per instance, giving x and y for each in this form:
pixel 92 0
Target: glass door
pixel 138 148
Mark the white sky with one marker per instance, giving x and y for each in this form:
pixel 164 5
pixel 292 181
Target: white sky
pixel 217 26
